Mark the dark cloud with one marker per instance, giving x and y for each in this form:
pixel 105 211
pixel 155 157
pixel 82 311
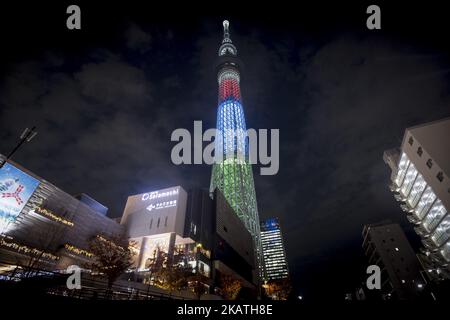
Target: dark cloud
pixel 106 115
pixel 137 39
pixel 353 103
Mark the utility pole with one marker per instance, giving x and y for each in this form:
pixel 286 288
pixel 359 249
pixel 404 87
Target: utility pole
pixel 26 136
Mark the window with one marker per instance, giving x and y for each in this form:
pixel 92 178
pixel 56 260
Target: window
pixel 151 223
pixel 225 229
pixel 441 234
pixel 165 222
pixel 419 151
pixel 411 141
pixel 429 163
pixel 159 220
pixel 440 176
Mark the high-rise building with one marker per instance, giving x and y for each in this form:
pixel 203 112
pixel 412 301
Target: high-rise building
pixel 274 254
pixel 421 183
pixel 232 171
pixel 386 245
pixel 190 229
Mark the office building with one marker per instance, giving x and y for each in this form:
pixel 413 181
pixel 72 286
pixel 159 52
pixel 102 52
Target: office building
pixel 386 245
pixel 275 261
pixel 420 182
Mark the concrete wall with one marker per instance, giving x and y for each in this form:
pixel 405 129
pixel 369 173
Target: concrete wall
pixel 434 140
pixel 139 221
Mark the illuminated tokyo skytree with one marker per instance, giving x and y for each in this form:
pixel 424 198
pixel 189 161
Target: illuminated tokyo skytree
pixel 232 174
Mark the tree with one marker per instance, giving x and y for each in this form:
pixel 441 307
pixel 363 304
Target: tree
pixel 111 257
pixel 229 286
pixel 278 289
pixel 171 279
pixel 155 265
pixel 197 283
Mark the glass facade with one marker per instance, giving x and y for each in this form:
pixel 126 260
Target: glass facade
pixel 426 207
pixel 275 262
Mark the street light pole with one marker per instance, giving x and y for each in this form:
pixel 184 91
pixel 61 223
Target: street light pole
pixel 26 136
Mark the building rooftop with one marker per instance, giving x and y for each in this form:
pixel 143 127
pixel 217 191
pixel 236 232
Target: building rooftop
pixel 435 139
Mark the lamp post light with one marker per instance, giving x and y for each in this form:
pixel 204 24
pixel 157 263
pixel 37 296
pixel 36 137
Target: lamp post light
pixel 26 136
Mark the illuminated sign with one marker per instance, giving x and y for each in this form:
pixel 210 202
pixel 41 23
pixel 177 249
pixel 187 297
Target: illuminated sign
pixel 158 194
pixel 16 187
pixel 158 199
pixel 162 205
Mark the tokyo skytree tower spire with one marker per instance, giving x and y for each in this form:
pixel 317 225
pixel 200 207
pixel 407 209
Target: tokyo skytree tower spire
pixel 232 174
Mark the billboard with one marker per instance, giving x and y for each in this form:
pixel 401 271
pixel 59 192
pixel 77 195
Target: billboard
pixel 157 200
pixel 156 212
pixel 16 187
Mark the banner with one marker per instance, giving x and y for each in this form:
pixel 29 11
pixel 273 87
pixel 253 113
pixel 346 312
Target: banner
pixel 16 187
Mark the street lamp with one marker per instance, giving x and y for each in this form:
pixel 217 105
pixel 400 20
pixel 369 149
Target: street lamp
pixel 26 136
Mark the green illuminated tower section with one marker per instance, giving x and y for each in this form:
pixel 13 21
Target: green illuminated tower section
pixel 232 174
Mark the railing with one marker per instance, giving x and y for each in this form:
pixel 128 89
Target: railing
pixel 54 283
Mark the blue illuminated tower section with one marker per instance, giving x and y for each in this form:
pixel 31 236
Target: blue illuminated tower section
pixel 232 173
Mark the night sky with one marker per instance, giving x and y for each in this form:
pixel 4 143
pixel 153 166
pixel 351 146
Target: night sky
pixel 106 99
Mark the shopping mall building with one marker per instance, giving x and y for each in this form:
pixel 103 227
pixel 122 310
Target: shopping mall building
pixel 175 227
pixel 43 226
pixel 41 223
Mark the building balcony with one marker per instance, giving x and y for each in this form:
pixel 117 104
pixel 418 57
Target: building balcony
pixel 425 252
pixel 421 231
pixel 413 219
pixel 394 188
pixel 429 244
pixel 439 259
pixel 399 197
pixel 406 208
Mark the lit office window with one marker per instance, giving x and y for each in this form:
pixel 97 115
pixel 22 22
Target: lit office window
pixel 409 180
pixel 434 216
pixel 425 203
pixel 442 232
pixel 445 252
pixel 402 166
pixel 417 190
